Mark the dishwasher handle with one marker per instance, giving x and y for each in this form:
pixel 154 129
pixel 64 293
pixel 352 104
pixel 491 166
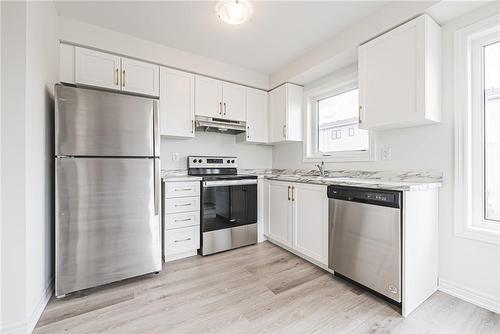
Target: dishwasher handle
pixel 389 198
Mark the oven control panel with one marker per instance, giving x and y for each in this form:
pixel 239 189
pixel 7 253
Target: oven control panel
pixel 212 162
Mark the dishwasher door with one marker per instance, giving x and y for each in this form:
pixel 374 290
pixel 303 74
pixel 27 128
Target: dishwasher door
pixel 365 245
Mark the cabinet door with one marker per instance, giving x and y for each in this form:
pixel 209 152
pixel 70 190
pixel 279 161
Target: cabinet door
pixel 140 77
pixel 234 101
pixel 257 116
pixel 279 217
pixel 176 103
pixel 97 69
pixel 310 223
pixel 388 75
pixel 294 98
pixel 277 114
pixel 208 97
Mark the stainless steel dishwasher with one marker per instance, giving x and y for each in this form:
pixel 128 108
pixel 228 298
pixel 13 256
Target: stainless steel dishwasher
pixel 365 238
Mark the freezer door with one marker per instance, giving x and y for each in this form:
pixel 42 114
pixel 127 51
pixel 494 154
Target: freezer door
pixel 98 123
pixel 107 221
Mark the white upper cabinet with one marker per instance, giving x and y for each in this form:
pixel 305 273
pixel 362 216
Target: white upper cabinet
pixel 257 116
pixel 66 63
pixel 285 113
pixel 208 97
pixel 176 103
pixel 96 68
pixel 100 69
pixel 219 99
pixel 234 101
pixel 140 77
pixel 399 76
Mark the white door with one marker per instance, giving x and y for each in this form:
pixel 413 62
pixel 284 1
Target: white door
pixel 208 97
pixel 234 101
pixel 257 116
pixel 176 103
pixel 310 223
pixel 388 68
pixel 97 69
pixel 140 77
pixel 277 114
pixel 279 217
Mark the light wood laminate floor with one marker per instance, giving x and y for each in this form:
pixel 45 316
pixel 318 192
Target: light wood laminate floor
pixel 256 289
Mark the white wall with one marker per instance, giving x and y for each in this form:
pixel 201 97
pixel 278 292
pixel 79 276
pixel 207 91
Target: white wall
pixel 467 266
pixel 42 66
pixel 13 226
pixel 249 155
pixel 29 70
pixel 78 32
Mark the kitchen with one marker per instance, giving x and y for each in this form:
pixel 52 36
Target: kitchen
pixel 260 171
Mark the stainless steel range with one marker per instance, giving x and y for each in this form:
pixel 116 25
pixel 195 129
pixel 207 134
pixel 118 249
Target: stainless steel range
pixel 229 204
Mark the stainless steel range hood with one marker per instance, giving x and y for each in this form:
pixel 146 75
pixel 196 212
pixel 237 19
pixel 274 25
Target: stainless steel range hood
pixel 220 125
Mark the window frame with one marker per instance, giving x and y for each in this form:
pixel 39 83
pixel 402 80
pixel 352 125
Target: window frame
pixel 310 145
pixel 469 132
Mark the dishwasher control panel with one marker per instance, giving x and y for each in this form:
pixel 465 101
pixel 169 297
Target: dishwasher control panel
pixel 365 195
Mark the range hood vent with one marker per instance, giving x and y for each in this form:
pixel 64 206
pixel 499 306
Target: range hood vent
pixel 209 124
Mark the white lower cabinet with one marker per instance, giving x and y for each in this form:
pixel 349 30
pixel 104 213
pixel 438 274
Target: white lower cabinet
pixel 297 217
pixel 181 221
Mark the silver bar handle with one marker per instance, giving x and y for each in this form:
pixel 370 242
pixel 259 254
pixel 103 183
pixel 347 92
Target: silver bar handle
pixel 225 108
pixel 181 240
pixel 182 220
pixel 157 186
pixel 187 204
pixel 248 131
pixel 220 108
pixel 360 110
pixel 284 131
pixel 183 189
pixel 209 184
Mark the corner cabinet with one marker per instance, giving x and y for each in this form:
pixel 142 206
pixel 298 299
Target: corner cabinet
pixel 219 99
pixel 285 113
pixel 400 76
pixel 297 218
pixel 176 103
pixel 82 66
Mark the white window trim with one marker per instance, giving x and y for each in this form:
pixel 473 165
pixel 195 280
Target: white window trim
pixel 337 86
pixel 466 221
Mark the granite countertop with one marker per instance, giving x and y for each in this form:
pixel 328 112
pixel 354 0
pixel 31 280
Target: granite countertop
pixel 389 180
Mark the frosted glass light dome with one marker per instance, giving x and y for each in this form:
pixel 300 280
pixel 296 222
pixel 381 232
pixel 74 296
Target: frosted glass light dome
pixel 234 11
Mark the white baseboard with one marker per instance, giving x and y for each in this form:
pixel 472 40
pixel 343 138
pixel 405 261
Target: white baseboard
pixel 37 311
pixel 28 325
pixel 469 295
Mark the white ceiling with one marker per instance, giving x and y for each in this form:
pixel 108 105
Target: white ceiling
pixel 278 32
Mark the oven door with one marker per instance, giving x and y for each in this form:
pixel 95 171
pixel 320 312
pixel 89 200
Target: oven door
pixel 228 203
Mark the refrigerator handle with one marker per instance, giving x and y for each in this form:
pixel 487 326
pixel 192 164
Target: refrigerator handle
pixel 156 132
pixel 157 186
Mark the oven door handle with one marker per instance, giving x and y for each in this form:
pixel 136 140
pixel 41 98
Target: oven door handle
pixel 223 183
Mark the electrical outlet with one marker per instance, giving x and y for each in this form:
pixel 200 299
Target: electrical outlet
pixel 386 153
pixel 175 156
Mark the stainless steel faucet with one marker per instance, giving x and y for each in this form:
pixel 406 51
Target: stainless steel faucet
pixel 321 168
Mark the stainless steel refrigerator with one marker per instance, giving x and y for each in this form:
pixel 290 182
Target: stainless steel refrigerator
pixel 107 188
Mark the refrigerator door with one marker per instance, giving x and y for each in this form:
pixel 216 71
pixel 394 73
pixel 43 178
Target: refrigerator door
pixel 107 221
pixel 98 123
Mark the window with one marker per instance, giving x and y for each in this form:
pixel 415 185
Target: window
pixel 332 132
pixel 491 71
pixel 477 103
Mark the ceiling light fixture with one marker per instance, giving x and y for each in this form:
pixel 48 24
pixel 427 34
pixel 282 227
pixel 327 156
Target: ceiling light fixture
pixel 234 11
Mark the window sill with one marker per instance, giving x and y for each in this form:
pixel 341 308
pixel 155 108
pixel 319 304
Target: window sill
pixel 478 234
pixel 341 157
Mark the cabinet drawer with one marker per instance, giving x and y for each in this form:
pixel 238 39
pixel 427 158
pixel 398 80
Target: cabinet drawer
pixel 183 204
pixel 182 189
pixel 176 220
pixel 182 240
